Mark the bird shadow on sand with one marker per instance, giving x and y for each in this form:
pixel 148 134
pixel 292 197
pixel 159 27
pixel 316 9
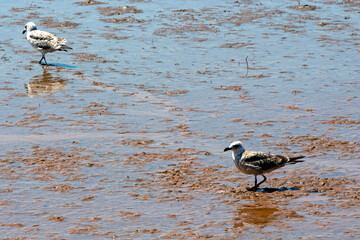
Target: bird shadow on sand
pixel 271 190
pixel 61 65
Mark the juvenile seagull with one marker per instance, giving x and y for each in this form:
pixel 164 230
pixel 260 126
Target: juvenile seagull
pixel 258 163
pixel 43 41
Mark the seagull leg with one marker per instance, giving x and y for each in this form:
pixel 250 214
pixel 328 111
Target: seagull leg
pixel 43 57
pixel 255 186
pixel 261 181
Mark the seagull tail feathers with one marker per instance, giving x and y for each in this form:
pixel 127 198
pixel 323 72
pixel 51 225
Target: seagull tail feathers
pixel 64 48
pixel 294 160
pixel 61 42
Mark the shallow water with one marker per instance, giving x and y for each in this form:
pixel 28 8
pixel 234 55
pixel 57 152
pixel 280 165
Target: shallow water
pixel 122 137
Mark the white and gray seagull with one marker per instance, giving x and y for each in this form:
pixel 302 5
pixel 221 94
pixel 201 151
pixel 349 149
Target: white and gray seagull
pixel 43 41
pixel 258 163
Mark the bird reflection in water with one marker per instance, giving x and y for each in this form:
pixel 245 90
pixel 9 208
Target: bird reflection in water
pixel 45 83
pixel 257 214
pixel 261 212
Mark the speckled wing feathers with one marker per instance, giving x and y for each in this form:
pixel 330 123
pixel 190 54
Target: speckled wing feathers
pixel 47 42
pixel 263 161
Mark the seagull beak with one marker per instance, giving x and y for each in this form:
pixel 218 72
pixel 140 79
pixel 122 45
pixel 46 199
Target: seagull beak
pixel 227 149
pixel 24 31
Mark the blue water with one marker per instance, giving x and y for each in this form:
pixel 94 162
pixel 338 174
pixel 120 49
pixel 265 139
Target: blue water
pixel 300 73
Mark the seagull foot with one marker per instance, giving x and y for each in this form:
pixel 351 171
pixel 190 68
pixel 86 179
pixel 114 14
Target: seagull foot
pixel 253 189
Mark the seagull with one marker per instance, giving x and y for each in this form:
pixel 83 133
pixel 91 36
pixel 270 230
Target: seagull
pixel 258 163
pixel 43 41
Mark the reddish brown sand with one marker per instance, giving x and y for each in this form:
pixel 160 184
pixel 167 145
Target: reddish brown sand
pixel 122 137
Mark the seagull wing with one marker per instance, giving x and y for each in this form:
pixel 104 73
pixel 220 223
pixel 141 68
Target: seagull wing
pixel 264 161
pixel 42 40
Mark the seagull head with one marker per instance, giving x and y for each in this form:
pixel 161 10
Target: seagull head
pixel 235 147
pixel 29 27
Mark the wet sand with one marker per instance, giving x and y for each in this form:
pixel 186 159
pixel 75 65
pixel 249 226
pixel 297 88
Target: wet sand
pixel 123 137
